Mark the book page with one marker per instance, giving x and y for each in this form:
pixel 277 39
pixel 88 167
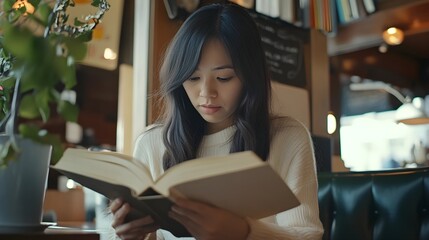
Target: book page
pixel 106 166
pixel 239 182
pixel 256 193
pixel 206 167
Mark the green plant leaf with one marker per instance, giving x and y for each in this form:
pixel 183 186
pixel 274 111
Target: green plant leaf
pixel 66 72
pixel 28 109
pixel 42 136
pixel 7 82
pixel 44 58
pixel 95 3
pixel 7 5
pixel 76 48
pixel 18 42
pixel 43 12
pixel 7 153
pixel 68 111
pixel 35 3
pixel 85 37
pixel 55 95
pixel 77 22
pixel 42 101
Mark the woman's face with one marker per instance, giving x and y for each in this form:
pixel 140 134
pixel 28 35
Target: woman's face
pixel 214 89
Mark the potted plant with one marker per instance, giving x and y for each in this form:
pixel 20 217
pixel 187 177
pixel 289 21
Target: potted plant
pixel 39 48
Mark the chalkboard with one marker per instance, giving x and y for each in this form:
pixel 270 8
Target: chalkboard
pixel 283 44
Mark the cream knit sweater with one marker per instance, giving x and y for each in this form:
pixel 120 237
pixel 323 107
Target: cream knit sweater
pixel 291 155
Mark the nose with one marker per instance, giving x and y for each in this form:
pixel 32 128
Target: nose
pixel 208 88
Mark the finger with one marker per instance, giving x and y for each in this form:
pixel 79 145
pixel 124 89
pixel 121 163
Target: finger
pixel 190 225
pixel 136 224
pixel 189 214
pixel 120 214
pixel 115 205
pixel 139 233
pixel 136 229
pixel 131 236
pixel 192 205
pixel 192 209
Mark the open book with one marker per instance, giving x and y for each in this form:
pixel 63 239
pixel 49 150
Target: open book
pixel 238 182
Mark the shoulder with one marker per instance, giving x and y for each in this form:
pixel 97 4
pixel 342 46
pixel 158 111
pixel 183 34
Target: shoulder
pixel 287 124
pixel 291 146
pixel 152 132
pixel 288 132
pixel 150 139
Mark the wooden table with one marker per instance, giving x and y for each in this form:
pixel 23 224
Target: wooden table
pixel 56 233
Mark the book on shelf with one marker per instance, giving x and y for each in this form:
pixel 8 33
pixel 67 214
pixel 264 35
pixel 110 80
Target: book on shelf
pixel 369 6
pixel 354 9
pixel 239 182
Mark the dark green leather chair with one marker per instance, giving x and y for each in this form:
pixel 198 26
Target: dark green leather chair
pixel 375 205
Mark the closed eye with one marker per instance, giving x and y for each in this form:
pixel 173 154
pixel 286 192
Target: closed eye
pixel 193 78
pixel 224 79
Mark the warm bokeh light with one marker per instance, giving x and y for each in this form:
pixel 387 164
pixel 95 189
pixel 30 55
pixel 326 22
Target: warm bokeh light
pixel 393 36
pixel 70 184
pixel 29 9
pixel 245 3
pixel 109 54
pixel 331 123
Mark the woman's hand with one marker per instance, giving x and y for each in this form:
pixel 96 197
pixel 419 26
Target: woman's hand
pixel 207 222
pixel 135 229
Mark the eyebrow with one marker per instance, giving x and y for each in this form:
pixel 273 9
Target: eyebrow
pixel 219 68
pixel 222 67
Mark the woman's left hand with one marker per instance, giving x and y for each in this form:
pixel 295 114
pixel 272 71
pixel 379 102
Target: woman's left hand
pixel 207 222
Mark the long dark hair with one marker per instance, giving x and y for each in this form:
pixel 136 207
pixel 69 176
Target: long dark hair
pixel 184 128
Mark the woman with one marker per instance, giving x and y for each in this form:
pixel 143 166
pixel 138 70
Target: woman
pixel 217 93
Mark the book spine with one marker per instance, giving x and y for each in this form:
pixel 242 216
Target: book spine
pixel 354 9
pixel 262 6
pixel 274 6
pixel 345 4
pixel 302 13
pixel 341 17
pixel 334 17
pixel 287 11
pixel 369 6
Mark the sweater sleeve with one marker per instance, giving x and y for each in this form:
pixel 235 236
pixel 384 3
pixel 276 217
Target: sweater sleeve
pixel 292 156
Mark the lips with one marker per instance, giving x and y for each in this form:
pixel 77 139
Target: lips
pixel 209 109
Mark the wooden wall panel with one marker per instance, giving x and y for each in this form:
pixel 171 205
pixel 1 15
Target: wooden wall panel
pixel 162 30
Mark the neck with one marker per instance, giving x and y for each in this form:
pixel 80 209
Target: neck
pixel 214 128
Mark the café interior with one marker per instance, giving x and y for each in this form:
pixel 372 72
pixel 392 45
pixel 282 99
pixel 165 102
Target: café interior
pixel 363 92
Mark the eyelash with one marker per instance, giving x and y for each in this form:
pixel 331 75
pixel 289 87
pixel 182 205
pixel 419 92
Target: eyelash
pixel 218 78
pixel 193 78
pixel 224 79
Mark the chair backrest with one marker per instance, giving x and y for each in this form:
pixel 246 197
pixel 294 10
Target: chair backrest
pixel 375 205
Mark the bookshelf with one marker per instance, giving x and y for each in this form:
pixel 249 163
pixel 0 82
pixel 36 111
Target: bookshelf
pixel 366 32
pixel 350 25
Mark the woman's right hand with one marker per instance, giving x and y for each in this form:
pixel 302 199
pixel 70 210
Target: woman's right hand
pixel 136 229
